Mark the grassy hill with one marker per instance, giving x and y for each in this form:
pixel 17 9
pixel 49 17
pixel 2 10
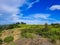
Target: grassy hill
pixel 25 34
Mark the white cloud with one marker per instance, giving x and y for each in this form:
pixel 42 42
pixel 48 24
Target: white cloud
pixel 55 7
pixel 35 21
pixel 39 19
pixel 44 16
pixel 36 16
pixel 32 3
pixel 9 10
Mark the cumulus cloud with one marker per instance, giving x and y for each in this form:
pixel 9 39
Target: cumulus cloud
pixel 39 18
pixel 44 16
pixel 34 21
pixel 36 18
pixel 9 10
pixel 55 7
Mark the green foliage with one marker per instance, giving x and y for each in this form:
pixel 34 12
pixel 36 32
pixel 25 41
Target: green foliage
pixel 1 31
pixel 8 39
pixel 23 23
pixel 1 41
pixel 0 34
pixel 12 43
pixel 46 31
pixel 56 25
pixel 18 23
pixel 10 26
pixel 49 31
pixel 27 35
pixel 46 27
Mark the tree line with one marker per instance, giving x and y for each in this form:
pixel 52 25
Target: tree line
pixel 16 25
pixel 10 26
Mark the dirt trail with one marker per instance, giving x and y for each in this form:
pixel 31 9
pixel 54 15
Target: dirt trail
pixel 35 41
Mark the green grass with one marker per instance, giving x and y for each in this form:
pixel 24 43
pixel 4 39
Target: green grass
pixel 12 43
pixel 50 32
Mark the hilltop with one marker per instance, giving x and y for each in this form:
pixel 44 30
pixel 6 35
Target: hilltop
pixel 25 34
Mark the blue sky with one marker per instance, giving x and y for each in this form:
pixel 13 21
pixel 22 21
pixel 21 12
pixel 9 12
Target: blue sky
pixel 29 11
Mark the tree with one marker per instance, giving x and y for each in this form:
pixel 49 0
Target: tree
pixel 46 27
pixel 8 39
pixel 18 23
pixel 23 23
pixel 56 25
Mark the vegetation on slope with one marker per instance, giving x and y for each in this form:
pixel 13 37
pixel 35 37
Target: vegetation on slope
pixel 51 32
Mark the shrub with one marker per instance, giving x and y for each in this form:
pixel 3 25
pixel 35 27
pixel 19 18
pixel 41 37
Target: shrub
pixel 27 35
pixel 1 41
pixel 1 31
pixel 12 43
pixel 56 25
pixel 53 41
pixel 8 39
pixel 0 34
pixel 46 27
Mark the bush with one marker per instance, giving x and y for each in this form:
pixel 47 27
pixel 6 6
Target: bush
pixel 8 39
pixel 46 27
pixel 0 34
pixel 1 41
pixel 27 35
pixel 53 41
pixel 56 25
pixel 1 31
pixel 12 43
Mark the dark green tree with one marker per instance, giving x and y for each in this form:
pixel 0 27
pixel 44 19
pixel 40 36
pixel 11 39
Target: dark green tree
pixel 23 23
pixel 18 23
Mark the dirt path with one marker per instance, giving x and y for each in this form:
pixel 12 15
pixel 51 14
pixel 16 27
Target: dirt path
pixel 35 41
